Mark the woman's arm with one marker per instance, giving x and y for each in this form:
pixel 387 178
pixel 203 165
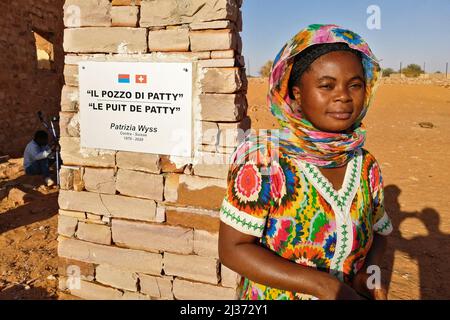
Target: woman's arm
pixel 241 253
pixel 374 257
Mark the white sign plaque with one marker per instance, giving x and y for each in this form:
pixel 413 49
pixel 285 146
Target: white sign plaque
pixel 140 106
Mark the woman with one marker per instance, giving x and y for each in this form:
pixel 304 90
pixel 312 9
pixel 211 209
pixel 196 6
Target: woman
pixel 303 217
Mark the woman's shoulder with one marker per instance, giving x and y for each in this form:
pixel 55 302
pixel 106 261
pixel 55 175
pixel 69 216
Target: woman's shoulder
pixel 371 172
pixel 368 159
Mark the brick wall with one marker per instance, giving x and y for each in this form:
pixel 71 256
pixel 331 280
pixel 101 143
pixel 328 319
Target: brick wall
pixel 25 89
pixel 145 226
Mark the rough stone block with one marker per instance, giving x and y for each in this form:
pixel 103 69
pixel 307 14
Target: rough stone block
pixel 126 2
pixel 125 16
pixel 100 180
pixel 81 201
pixel 172 12
pixel 223 107
pixel 67 225
pixel 121 279
pixel 108 40
pixel 160 214
pixel 93 291
pixel 218 63
pixel 214 165
pixel 220 24
pixel 94 233
pixel 108 205
pixel 188 290
pixel 69 124
pixel 127 295
pixel 138 161
pixel 223 54
pixel 169 40
pixel 191 192
pixel 73 214
pixel 168 166
pixel 152 237
pixel 210 132
pixel 171 187
pixel 69 99
pixel 71 75
pixel 222 80
pixel 156 287
pixel 73 154
pixel 206 243
pixel 229 278
pixel 130 208
pixel 125 259
pixel 212 40
pixel 193 218
pixel 139 184
pixel 87 13
pixel 191 267
pixel 74 268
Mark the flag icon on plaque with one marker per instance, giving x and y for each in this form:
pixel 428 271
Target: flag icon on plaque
pixel 124 78
pixel 141 79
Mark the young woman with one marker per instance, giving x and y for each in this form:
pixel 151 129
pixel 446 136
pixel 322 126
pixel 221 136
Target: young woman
pixel 303 217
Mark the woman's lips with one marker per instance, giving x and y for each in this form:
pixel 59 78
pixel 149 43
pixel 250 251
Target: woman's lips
pixel 340 115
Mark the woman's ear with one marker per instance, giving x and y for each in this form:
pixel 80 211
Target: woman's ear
pixel 296 93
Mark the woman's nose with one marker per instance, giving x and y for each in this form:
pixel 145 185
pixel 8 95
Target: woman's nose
pixel 343 95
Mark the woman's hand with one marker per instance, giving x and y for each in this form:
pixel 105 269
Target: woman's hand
pixel 380 294
pixel 374 258
pixel 359 284
pixel 337 290
pixel 243 254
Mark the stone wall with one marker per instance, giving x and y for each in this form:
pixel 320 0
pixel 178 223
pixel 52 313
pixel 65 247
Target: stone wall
pixel 429 79
pixel 24 88
pixel 145 226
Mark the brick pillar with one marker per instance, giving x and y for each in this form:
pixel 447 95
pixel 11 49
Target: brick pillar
pixel 145 226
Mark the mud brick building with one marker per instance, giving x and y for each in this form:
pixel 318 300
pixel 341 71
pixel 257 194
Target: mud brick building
pixel 31 64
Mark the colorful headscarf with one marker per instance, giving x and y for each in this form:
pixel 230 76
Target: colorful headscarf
pixel 298 137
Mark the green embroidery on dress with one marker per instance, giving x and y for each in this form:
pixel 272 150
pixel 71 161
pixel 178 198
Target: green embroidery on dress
pixel 242 221
pixel 343 246
pixel 339 200
pixel 385 226
pixel 327 188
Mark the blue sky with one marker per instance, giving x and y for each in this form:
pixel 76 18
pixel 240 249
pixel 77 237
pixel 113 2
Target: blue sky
pixel 412 31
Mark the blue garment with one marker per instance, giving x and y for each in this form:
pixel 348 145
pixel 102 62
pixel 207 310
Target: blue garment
pixel 34 152
pixel 39 167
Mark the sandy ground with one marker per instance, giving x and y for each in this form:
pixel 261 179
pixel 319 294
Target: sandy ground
pixel 414 162
pixel 28 225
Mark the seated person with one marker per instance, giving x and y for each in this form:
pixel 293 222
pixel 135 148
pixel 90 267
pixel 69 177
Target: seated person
pixel 36 157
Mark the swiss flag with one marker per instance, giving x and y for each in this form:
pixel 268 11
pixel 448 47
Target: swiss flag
pixel 141 78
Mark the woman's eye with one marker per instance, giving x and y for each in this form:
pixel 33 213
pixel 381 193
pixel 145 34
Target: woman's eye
pixel 325 86
pixel 356 85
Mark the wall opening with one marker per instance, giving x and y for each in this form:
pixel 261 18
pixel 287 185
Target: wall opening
pixel 45 54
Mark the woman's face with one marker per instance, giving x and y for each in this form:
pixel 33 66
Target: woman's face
pixel 331 92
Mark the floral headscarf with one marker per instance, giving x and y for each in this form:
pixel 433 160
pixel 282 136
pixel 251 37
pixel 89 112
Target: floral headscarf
pixel 298 137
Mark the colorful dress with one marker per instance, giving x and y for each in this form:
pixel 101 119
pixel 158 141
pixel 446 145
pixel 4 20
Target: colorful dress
pixel 296 213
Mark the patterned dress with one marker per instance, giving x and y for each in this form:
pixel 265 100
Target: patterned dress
pixel 296 212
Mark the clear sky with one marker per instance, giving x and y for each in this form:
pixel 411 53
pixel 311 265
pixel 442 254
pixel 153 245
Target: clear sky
pixel 412 31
